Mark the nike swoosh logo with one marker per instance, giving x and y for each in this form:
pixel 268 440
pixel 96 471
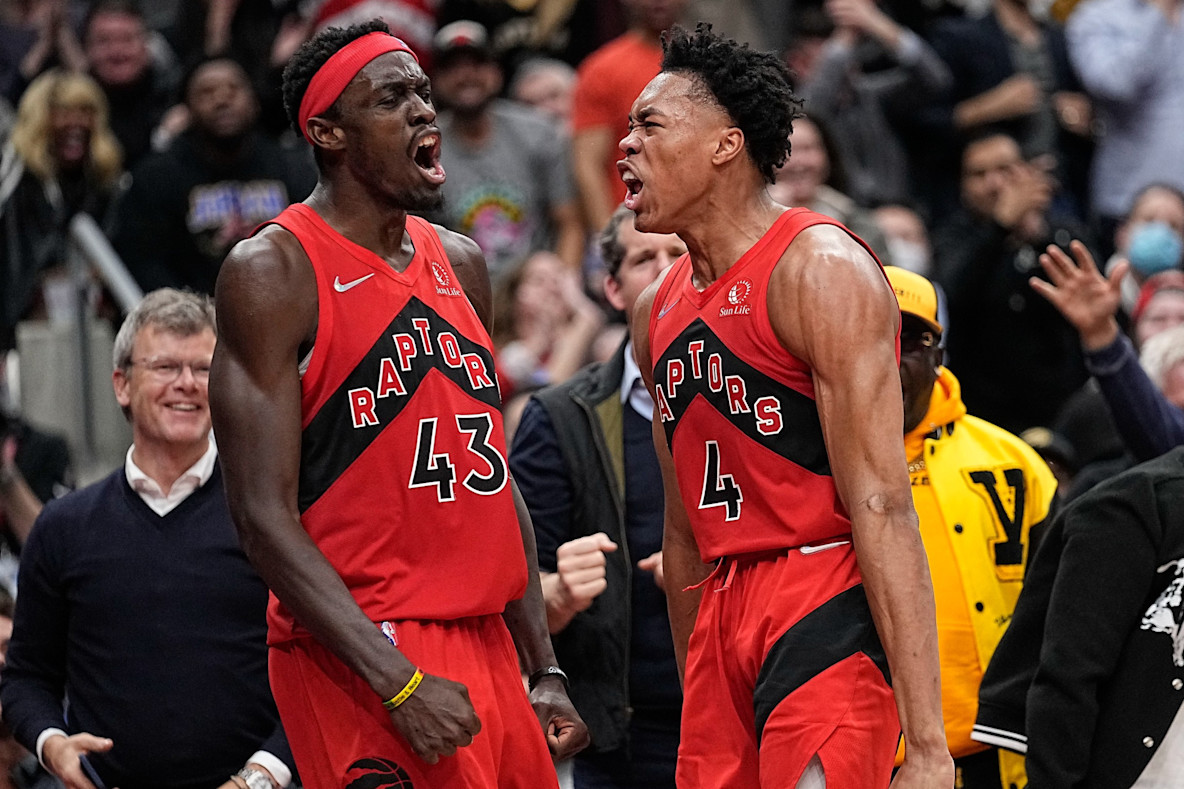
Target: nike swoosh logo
pixel 668 307
pixel 809 549
pixel 343 287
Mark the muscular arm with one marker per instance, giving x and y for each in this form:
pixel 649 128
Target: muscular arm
pixel 835 311
pixel 267 302
pixel 680 553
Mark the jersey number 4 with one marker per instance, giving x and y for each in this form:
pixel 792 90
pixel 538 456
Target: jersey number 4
pixel 719 490
pixel 437 469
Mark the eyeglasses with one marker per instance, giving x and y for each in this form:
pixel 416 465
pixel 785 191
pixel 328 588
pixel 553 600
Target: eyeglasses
pixel 168 370
pixel 915 341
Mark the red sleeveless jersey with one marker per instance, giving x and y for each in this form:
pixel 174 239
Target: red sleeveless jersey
pixel 403 477
pixel 738 409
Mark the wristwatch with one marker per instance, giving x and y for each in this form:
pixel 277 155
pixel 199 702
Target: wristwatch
pixel 254 779
pixel 544 673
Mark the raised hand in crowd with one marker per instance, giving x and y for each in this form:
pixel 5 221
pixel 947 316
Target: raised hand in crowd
pixel 1081 293
pixel 853 18
pixel 54 37
pixel 579 578
pixel 1014 97
pixel 1025 193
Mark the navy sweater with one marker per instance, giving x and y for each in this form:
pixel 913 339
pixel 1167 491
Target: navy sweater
pixel 154 630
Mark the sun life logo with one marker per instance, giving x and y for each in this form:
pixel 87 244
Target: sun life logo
pixel 444 284
pixel 441 273
pixel 737 298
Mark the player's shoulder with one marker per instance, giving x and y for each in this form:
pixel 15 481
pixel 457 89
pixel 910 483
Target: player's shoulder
pixel 456 245
pixel 463 253
pixel 268 276
pixel 826 256
pixel 272 247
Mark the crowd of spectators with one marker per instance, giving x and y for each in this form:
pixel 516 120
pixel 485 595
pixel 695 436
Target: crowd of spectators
pixel 959 139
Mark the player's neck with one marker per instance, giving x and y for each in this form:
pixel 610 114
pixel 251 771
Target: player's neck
pixel 720 238
pixel 352 212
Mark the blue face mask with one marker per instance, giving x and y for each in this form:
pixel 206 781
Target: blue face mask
pixel 1154 247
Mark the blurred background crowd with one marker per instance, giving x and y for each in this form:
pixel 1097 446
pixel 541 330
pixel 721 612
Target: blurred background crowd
pixel 959 138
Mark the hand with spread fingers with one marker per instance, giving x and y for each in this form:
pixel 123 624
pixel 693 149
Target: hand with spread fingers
pixel 1081 293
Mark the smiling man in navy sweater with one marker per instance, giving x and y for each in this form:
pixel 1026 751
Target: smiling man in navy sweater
pixel 136 602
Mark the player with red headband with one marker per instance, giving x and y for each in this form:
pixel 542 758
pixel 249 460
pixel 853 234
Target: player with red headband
pixel 356 407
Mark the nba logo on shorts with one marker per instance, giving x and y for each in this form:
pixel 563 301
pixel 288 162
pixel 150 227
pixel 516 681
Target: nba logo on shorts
pixel 388 630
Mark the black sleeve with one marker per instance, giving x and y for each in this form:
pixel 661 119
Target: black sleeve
pixel 1003 693
pixel 1106 573
pixel 537 463
pixel 277 745
pixel 32 685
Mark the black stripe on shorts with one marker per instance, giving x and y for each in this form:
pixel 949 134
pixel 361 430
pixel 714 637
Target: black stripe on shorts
pixel 836 630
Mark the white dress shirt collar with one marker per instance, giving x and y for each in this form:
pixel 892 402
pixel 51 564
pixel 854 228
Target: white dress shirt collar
pixel 193 478
pixel 633 389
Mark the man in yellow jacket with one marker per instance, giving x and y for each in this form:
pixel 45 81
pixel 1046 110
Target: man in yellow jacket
pixel 980 494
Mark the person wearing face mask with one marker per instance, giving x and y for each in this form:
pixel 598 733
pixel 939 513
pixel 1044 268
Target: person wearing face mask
pixel 982 497
pixel 1151 237
pixel 906 237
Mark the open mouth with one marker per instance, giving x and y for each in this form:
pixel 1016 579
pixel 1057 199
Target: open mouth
pixel 633 186
pixel 426 155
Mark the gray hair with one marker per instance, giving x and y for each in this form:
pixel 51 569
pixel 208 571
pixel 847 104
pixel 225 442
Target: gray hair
pixel 1161 353
pixel 612 251
pixel 179 312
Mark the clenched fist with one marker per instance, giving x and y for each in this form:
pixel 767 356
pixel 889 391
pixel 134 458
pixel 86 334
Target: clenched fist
pixel 579 578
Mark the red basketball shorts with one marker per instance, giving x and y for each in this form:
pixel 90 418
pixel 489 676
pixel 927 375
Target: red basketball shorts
pixel 343 738
pixel 785 663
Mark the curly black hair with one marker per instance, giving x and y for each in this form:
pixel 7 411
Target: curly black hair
pixel 754 88
pixel 311 56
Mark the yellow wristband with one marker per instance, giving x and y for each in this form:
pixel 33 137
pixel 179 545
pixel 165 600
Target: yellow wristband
pixel 406 692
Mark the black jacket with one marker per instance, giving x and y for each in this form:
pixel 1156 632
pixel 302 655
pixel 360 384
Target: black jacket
pixel 586 415
pixel 1090 674
pixel 184 211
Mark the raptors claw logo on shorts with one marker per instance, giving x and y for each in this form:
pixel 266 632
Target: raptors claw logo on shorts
pixel 374 773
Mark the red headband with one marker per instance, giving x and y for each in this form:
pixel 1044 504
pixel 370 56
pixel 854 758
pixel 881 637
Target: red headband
pixel 330 80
